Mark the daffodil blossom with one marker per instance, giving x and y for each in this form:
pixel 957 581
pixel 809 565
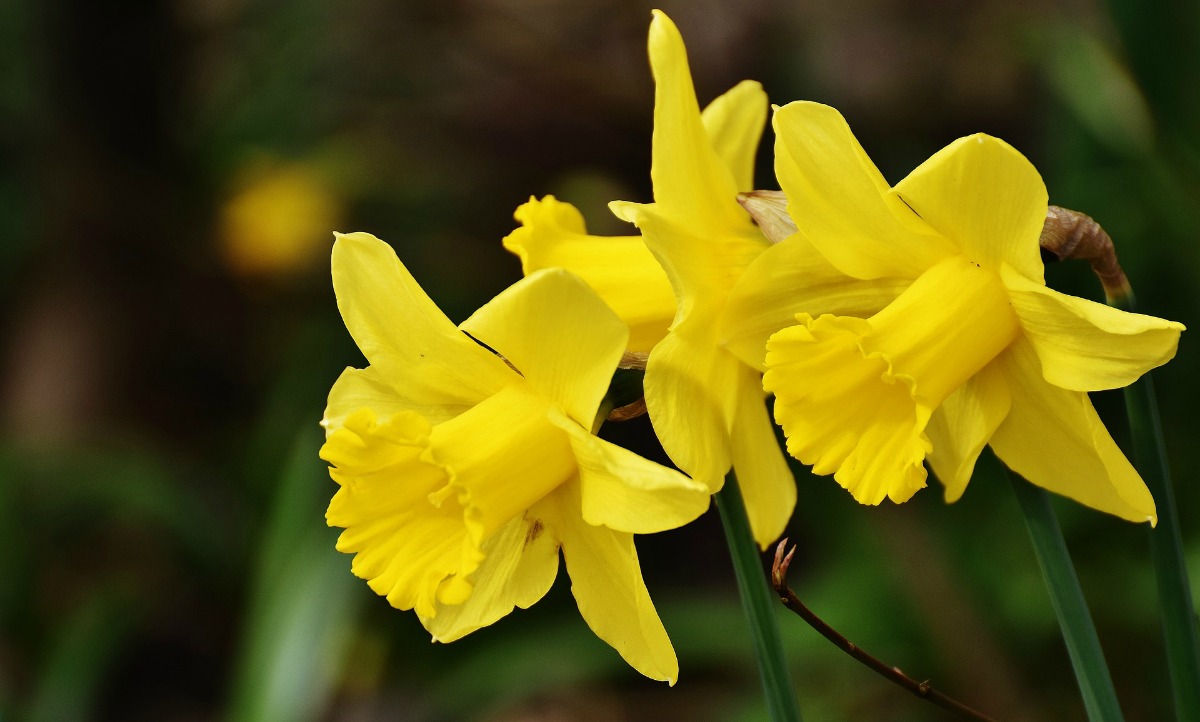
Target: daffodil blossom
pixel 706 406
pixel 926 330
pixel 463 471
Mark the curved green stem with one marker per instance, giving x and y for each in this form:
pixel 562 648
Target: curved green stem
pixel 758 601
pixel 1166 545
pixel 1066 596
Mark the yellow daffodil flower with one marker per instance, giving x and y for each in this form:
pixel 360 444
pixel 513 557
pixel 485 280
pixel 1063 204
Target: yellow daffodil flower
pixel 463 471
pixel 964 344
pixel 706 406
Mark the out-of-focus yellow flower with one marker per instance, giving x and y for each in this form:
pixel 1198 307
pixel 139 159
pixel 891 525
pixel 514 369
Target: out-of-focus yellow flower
pixel 279 222
pixel 706 406
pixel 966 345
pixel 463 471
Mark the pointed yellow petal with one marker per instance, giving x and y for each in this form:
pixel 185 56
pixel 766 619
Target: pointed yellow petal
pixel 691 396
pixel 407 549
pixel 696 229
pixel 1088 346
pixel 767 485
pixel 841 201
pixel 734 122
pixel 628 493
pixel 502 456
pixel 690 178
pixel 702 262
pixel 606 580
pixel 559 335
pixel 986 197
pixel 520 565
pixel 788 278
pixel 962 426
pixel 408 340
pixel 367 388
pixel 619 268
pixel 1054 438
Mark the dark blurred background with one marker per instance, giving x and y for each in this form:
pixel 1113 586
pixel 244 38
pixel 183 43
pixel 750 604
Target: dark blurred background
pixel 170 172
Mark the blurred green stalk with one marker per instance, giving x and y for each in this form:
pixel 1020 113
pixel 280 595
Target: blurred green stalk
pixel 758 601
pixel 1166 544
pixel 304 603
pixel 1066 596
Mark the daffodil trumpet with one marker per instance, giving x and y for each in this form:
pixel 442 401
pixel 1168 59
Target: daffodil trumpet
pixel 466 457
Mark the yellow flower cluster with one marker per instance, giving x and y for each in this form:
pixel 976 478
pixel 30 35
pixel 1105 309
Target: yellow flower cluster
pixel 896 326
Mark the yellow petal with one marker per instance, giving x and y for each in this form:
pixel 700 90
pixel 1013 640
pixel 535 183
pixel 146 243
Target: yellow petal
pixel 1054 438
pixel 503 456
pixel 696 229
pixel 407 549
pixel 766 482
pixel 691 396
pixel 408 340
pixel 559 335
pixel 962 426
pixel 606 581
pixel 841 201
pixel 1088 346
pixel 788 278
pixel 986 197
pixel 520 565
pixel 689 177
pixel 702 262
pixel 734 123
pixel 626 492
pixel 618 268
pixel 366 388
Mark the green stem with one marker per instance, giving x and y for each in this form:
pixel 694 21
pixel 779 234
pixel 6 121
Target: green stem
pixel 1066 596
pixel 759 602
pixel 1166 545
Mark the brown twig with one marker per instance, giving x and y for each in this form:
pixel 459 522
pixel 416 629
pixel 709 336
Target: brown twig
pixel 923 689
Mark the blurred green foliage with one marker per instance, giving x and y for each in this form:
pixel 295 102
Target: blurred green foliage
pixel 163 554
